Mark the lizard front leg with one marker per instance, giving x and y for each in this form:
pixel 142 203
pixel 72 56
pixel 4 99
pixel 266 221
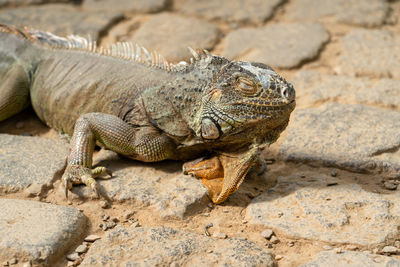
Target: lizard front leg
pixel 223 174
pixel 142 143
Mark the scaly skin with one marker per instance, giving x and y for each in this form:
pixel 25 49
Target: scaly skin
pixel 145 109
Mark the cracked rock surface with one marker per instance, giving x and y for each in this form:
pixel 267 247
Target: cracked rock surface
pixel 370 52
pixel 30 161
pixel 61 19
pixel 364 13
pixel 320 207
pixel 232 10
pixel 279 45
pixel 36 231
pixel 153 246
pixel 340 135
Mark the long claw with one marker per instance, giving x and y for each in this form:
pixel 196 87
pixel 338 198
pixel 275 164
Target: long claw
pixel 66 189
pixel 77 174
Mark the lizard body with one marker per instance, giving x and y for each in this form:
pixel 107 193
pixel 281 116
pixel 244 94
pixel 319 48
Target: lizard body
pixel 143 107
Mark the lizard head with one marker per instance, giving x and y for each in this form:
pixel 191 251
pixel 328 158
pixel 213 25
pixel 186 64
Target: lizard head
pixel 246 101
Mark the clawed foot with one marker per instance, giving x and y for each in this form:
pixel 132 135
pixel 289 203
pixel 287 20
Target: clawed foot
pixel 77 174
pixel 222 174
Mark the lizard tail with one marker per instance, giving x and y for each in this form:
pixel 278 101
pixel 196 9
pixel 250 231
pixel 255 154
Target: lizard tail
pixel 43 37
pixel 14 30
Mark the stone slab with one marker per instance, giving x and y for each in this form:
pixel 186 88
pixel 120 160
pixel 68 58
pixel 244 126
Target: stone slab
pixel 313 87
pixel 26 161
pixel 282 45
pixel 374 53
pixel 160 185
pixel 368 13
pixel 61 19
pixel 254 11
pixel 354 137
pixel 162 246
pixel 126 6
pixel 170 35
pixel 351 259
pixel 320 207
pixel 37 231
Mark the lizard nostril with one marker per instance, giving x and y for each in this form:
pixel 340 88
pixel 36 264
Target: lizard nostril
pixel 285 92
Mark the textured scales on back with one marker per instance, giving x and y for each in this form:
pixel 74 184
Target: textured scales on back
pixel 136 103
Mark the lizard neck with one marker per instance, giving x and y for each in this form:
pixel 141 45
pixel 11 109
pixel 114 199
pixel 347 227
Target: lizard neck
pixel 175 106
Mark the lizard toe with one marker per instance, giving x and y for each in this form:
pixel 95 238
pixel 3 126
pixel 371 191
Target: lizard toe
pixel 76 174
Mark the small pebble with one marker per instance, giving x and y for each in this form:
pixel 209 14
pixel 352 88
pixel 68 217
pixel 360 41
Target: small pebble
pixel 111 225
pixel 205 214
pixel 135 224
pixel 225 210
pixel 103 204
pixel 27 264
pixel 105 217
pixel 331 183
pixel 274 240
pixel 302 176
pixel 338 250
pixel 351 247
pixel 128 215
pixel 81 249
pixel 13 261
pixel 291 244
pixel 219 235
pixel 278 257
pixel 333 173
pixel 377 260
pixel 73 256
pixel 114 219
pixel 92 238
pixel 327 247
pixel 206 232
pixel 5 263
pixel 390 249
pixel 244 222
pixel 71 263
pixel 397 244
pixel 280 214
pixel 267 233
pixel 390 185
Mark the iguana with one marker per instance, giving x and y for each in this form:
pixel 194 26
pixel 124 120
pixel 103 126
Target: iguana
pixel 137 104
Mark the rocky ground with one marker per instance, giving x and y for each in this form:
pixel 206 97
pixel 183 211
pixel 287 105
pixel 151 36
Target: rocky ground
pixel 330 197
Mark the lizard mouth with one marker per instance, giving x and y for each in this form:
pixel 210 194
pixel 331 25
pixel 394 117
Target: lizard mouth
pixel 263 103
pixel 266 107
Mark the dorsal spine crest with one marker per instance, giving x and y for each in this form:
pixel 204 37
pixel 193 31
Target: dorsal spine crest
pixel 120 50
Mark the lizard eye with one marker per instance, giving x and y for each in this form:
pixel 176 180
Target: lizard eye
pixel 246 86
